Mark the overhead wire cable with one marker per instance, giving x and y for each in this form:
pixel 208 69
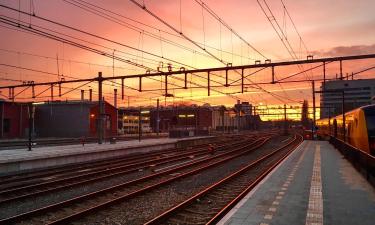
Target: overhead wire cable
pixel 217 17
pixel 90 7
pixel 88 48
pixel 31 29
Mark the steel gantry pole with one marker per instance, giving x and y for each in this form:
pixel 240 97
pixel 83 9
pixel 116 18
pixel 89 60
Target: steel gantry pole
pixel 31 127
pixel 157 117
pixel 343 115
pixel 100 102
pixel 285 121
pixel 313 123
pixel 140 124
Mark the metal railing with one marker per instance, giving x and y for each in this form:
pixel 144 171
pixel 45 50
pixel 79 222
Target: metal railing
pixel 362 161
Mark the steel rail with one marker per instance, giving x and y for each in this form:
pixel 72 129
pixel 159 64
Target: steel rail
pixel 172 211
pixel 230 205
pixel 64 169
pixel 102 174
pixel 78 199
pixel 84 166
pixel 82 213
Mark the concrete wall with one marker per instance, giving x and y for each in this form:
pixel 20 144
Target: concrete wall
pixel 196 141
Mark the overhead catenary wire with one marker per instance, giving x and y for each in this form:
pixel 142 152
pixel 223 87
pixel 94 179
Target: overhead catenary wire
pixel 79 45
pixel 104 13
pixel 279 31
pixel 182 34
pixel 217 17
pixel 31 29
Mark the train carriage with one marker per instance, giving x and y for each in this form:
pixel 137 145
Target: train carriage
pixel 359 128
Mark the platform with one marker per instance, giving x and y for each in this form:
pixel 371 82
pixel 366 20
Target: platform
pixel 16 160
pixel 314 185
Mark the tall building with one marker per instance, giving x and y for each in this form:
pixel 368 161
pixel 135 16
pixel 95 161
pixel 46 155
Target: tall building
pixel 356 93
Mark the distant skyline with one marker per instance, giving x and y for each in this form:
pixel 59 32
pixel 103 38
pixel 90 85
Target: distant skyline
pixel 329 28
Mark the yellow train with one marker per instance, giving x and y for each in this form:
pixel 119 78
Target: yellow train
pixel 359 128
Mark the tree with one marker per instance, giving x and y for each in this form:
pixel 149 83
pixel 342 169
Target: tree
pixel 304 114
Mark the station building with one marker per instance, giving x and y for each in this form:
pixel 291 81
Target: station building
pixel 357 93
pixel 14 119
pixel 203 120
pixel 128 120
pixel 190 120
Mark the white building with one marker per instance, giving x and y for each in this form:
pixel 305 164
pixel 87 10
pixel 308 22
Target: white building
pixel 356 93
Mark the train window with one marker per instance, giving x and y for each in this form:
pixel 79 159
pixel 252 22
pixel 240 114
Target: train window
pixel 370 121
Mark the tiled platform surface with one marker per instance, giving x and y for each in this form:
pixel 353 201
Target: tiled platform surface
pixel 314 185
pixel 21 159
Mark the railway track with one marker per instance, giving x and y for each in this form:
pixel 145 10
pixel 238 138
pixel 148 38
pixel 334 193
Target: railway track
pixel 211 204
pixel 106 172
pixel 125 189
pixel 22 179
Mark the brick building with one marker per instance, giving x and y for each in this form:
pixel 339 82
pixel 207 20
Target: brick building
pixel 14 119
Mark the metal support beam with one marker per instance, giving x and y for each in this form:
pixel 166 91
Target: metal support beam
pixel 32 91
pixel 101 109
pixel 166 85
pixel 314 109
pixel 273 74
pixel 11 94
pixel 242 80
pixel 285 121
pixel 341 77
pixel 169 73
pixel 82 95
pixel 140 124
pixel 140 84
pixel 51 92
pixel 208 83
pixel 122 89
pixel 31 118
pixel 157 118
pixel 185 80
pixel 343 115
pixel 324 75
pixel 115 98
pixel 90 95
pixel 59 88
pixel 226 78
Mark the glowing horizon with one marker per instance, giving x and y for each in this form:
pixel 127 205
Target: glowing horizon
pixel 325 28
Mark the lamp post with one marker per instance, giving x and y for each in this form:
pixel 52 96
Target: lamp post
pixel 140 124
pixel 31 111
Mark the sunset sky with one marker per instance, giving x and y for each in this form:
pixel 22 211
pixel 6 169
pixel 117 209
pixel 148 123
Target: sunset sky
pixel 327 27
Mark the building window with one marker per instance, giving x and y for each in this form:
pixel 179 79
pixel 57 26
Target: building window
pixel 6 125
